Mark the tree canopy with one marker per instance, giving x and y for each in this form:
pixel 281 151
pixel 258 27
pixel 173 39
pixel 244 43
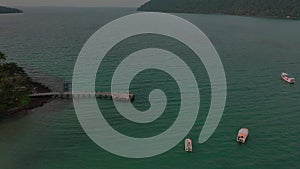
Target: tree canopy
pixel 2 57
pixel 14 85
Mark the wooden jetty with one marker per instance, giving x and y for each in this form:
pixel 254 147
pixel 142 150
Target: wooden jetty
pixel 114 96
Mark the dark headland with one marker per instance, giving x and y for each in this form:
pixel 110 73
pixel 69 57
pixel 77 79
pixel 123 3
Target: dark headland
pixel 260 8
pixel 4 10
pixel 15 88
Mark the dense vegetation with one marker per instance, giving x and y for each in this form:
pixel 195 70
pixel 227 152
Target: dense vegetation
pixel 15 85
pixel 9 10
pixel 273 8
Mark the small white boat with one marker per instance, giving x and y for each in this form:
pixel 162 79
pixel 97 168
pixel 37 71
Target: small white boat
pixel 242 135
pixel 188 145
pixel 286 78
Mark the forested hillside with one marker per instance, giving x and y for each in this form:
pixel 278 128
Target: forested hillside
pixel 275 8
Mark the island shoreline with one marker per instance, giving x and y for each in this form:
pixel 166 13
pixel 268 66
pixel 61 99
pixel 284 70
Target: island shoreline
pixel 254 16
pixel 8 10
pixel 255 8
pixel 33 104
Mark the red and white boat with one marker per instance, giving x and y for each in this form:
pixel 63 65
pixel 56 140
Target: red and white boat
pixel 286 78
pixel 188 145
pixel 242 135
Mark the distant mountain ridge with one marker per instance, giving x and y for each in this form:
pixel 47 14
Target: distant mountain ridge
pixel 9 10
pixel 271 8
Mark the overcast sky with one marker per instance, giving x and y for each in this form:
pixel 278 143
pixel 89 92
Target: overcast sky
pixel 84 3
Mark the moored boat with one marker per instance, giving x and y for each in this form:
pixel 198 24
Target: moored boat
pixel 242 135
pixel 288 79
pixel 188 145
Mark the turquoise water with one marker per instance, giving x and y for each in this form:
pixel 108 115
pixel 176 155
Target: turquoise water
pixel 254 51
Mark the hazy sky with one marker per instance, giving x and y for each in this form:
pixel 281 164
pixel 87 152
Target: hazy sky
pixel 114 3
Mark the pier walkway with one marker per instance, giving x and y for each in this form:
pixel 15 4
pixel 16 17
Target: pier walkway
pixel 114 96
